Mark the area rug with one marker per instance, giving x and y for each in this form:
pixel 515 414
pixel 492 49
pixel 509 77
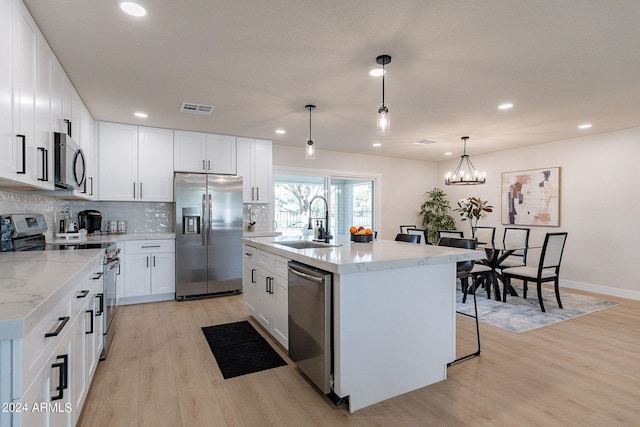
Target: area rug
pixel 519 315
pixel 239 349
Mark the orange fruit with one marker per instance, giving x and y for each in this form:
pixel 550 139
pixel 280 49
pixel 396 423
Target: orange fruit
pixel 368 231
pixel 353 230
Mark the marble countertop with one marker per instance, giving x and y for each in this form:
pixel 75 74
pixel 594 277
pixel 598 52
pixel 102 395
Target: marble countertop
pixel 113 238
pixel 246 233
pixel 350 257
pixel 33 283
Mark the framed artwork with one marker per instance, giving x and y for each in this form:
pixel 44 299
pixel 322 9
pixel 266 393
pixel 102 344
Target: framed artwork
pixel 531 197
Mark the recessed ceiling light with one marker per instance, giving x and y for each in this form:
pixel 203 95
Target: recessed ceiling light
pixel 133 9
pixel 281 131
pixel 141 114
pixel 448 153
pixel 376 72
pixel 585 126
pixel 505 106
pixel 376 144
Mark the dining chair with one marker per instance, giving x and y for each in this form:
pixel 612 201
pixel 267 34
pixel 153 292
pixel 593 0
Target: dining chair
pixel 484 234
pixel 547 270
pixel 411 238
pixel 420 232
pixel 403 228
pixel 463 272
pixel 515 237
pixel 450 233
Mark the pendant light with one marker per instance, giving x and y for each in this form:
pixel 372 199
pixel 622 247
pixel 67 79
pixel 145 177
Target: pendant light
pixel 310 148
pixel 384 118
pixel 465 173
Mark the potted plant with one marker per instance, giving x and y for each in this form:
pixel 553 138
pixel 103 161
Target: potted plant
pixel 472 209
pixel 435 214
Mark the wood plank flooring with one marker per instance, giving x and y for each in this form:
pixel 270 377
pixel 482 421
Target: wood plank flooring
pixel 160 372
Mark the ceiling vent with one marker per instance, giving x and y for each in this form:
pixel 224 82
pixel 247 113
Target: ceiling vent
pixel 423 142
pixel 193 108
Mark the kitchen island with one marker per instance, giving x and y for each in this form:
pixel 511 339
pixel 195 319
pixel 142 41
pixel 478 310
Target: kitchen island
pixel 393 312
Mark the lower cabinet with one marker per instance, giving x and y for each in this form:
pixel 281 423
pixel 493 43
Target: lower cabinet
pixel 149 268
pixel 265 290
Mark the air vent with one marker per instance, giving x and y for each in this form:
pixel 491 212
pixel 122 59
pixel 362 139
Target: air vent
pixel 193 108
pixel 423 142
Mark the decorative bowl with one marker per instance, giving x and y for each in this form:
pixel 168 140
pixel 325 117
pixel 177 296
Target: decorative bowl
pixel 362 238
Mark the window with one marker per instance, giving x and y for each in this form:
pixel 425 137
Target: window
pixel 351 202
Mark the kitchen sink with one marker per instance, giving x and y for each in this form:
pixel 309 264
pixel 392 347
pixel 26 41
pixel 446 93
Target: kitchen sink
pixel 305 244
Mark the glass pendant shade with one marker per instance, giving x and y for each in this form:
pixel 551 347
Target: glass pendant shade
pixel 384 120
pixel 311 150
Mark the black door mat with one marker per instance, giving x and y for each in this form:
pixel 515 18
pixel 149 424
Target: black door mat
pixel 239 349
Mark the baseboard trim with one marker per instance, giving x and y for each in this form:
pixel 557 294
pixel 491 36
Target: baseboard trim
pixel 600 289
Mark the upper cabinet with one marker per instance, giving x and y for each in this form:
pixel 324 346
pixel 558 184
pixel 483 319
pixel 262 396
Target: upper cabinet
pixel 205 153
pixel 8 143
pixel 254 165
pixel 136 163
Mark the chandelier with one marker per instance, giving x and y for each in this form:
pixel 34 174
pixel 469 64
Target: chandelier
pixel 465 173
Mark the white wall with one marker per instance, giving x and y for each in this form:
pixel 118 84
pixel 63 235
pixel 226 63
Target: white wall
pixel 403 182
pixel 599 207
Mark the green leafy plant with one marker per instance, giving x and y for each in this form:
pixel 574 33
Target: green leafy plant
pixel 435 214
pixel 472 209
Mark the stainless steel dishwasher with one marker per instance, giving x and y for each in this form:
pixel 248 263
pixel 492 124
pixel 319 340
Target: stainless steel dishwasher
pixel 310 326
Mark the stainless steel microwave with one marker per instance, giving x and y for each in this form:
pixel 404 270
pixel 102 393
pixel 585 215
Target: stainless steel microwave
pixel 70 165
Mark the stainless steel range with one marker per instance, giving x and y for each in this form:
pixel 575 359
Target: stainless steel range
pixel 25 232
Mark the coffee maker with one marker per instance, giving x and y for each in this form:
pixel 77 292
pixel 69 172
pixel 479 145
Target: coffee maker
pixel 91 220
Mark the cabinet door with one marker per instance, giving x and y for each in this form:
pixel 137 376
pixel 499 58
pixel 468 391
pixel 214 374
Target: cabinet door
pixel 78 374
pixel 281 311
pixel 245 168
pixel 163 273
pixel 137 275
pixel 118 148
pixel 43 136
pixel 221 154
pixel 24 96
pixel 155 164
pixel 8 142
pixel 190 151
pixel 262 173
pixel 249 283
pixel 90 153
pixel 264 306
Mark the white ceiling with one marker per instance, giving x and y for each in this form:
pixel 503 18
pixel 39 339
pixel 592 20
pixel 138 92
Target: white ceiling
pixel 561 62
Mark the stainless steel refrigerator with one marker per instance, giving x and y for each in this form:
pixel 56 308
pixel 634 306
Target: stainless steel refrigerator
pixel 208 227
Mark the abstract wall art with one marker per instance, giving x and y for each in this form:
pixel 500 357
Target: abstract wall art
pixel 531 197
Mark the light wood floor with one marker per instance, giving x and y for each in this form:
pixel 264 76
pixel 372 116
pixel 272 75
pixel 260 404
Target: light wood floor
pixel 160 372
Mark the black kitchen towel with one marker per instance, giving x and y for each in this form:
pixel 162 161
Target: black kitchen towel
pixel 239 349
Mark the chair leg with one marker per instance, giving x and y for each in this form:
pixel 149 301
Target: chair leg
pixel 506 286
pixel 557 292
pixel 477 352
pixel 540 297
pixel 524 289
pixel 464 284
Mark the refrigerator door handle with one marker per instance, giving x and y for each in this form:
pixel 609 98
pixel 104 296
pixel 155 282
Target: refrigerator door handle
pixel 203 230
pixel 210 217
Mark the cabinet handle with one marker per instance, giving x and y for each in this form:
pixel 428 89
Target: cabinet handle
pixel 150 246
pixel 253 193
pixel 208 165
pixel 45 164
pixel 97 276
pixel 141 190
pixel 68 122
pixel 24 155
pixel 257 193
pixel 203 166
pixel 83 294
pixel 154 260
pixel 63 321
pixel 91 331
pixel 134 190
pixel 63 379
pixel 253 280
pixel 101 309
pixel 147 262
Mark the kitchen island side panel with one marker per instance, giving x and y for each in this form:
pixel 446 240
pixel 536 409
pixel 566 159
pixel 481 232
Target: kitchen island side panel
pixel 394 331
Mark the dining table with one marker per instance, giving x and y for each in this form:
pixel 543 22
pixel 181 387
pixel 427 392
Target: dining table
pixel 495 254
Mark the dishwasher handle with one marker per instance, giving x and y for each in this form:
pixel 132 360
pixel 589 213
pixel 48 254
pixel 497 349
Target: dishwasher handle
pixel 306 276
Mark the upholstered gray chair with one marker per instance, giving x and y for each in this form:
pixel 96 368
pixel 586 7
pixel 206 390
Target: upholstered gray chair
pixel 547 270
pixel 463 272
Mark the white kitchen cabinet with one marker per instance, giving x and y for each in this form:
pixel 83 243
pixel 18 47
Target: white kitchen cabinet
pixel 8 143
pixel 265 275
pixel 150 268
pixel 255 166
pixel 136 163
pixel 45 60
pixel 204 152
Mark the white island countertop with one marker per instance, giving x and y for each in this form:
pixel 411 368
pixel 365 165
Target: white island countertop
pixel 33 283
pixel 349 257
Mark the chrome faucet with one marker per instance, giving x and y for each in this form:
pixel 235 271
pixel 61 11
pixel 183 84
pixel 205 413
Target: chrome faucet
pixel 326 236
